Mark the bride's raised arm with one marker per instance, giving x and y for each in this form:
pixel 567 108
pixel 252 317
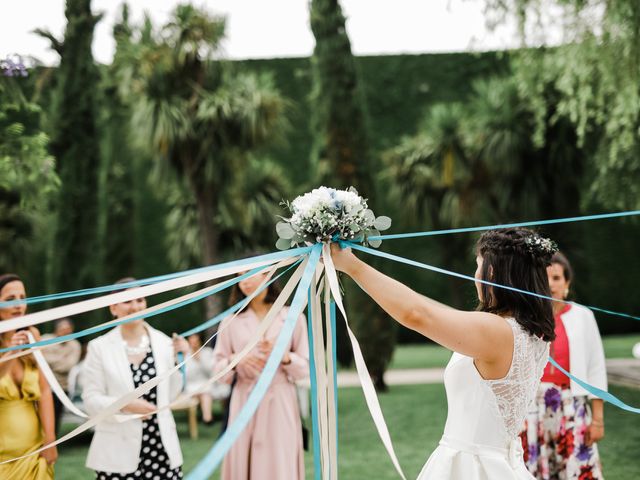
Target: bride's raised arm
pixel 475 334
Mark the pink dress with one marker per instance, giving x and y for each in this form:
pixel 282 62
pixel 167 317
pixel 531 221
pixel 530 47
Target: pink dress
pixel 271 444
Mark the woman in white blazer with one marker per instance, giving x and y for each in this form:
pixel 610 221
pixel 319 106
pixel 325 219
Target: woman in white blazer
pixel 566 422
pixel 116 363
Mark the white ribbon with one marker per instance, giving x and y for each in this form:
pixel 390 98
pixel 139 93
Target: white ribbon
pixel 141 314
pixel 117 405
pixel 125 296
pixel 363 374
pixel 57 389
pixel 331 387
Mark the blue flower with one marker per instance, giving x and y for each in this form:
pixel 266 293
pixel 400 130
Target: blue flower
pixel 584 453
pixel 533 453
pixel 12 68
pixel 553 399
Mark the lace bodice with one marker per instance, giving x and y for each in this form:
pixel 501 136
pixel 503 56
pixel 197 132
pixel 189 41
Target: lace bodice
pixel 492 412
pixel 515 392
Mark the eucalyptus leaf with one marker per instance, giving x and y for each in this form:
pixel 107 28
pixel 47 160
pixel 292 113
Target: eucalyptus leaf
pixel 285 230
pixel 283 244
pixel 382 223
pixel 375 243
pixel 369 216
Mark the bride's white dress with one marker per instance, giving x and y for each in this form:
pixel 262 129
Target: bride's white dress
pixel 480 440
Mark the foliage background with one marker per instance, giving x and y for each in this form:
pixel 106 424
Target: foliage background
pixel 144 228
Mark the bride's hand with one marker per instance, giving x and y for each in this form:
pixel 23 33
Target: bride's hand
pixel 343 258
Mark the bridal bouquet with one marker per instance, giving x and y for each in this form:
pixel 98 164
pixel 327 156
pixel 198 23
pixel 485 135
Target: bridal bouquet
pixel 326 215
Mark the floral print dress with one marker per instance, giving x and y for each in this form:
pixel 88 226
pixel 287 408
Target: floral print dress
pixel 554 437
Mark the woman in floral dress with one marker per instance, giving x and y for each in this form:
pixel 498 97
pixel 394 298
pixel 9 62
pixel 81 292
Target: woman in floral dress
pixel 563 428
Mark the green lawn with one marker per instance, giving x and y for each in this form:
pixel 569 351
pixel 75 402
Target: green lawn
pixel 415 415
pixel 429 355
pixel 619 346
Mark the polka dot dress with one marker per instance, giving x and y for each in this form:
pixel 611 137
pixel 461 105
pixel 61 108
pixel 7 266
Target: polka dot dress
pixel 154 461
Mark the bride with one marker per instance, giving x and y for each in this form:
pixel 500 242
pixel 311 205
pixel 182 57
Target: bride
pixel 500 351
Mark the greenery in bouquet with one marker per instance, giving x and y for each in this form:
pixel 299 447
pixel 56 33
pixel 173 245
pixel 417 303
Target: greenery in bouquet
pixel 329 215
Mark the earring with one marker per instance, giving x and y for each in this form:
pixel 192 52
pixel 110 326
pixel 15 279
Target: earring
pixel 566 293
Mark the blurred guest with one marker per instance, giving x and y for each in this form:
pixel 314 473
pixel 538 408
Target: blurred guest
pixel 117 363
pixel 62 357
pixel 26 404
pixel 566 422
pixel 271 445
pixel 199 371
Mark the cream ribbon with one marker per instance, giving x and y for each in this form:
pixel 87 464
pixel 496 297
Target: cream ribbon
pixel 125 296
pixel 321 374
pixel 363 374
pixel 331 390
pixel 117 405
pixel 149 310
pixel 57 389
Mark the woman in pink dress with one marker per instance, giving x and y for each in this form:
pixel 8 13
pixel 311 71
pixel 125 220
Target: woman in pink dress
pixel 271 444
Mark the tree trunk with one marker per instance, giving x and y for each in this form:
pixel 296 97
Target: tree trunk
pixel 209 238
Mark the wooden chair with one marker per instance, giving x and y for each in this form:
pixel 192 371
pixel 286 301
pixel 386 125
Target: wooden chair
pixel 191 405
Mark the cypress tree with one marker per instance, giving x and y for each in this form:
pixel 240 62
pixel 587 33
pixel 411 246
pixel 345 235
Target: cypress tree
pixel 341 152
pixel 118 189
pixel 75 145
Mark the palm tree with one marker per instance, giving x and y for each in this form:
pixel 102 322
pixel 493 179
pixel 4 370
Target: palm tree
pixel 245 219
pixel 531 177
pixel 198 117
pixel 439 180
pixel 501 128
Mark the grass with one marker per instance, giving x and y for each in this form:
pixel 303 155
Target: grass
pixel 619 346
pixel 415 415
pixel 429 355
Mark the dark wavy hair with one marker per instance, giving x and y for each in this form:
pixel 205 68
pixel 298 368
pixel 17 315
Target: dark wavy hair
pixel 273 290
pixel 6 278
pixel 509 259
pixel 563 261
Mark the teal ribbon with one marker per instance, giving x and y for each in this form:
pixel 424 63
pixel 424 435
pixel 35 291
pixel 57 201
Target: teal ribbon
pixel 100 328
pixel 214 457
pixel 157 279
pixel 233 309
pixel 183 370
pixel 606 396
pixel 317 474
pixel 218 318
pixel 603 394
pixel 425 266
pixel 507 225
pixel 335 364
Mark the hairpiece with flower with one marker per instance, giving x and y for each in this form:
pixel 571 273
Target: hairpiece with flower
pixel 539 245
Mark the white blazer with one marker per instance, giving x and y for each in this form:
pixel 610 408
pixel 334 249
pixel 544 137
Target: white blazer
pixel 115 447
pixel 586 354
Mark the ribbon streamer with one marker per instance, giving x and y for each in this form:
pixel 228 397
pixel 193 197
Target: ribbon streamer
pixel 361 367
pixel 602 394
pixel 426 266
pixel 117 405
pixel 146 313
pixel 151 280
pixel 317 466
pixel 127 295
pixel 506 225
pixel 214 457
